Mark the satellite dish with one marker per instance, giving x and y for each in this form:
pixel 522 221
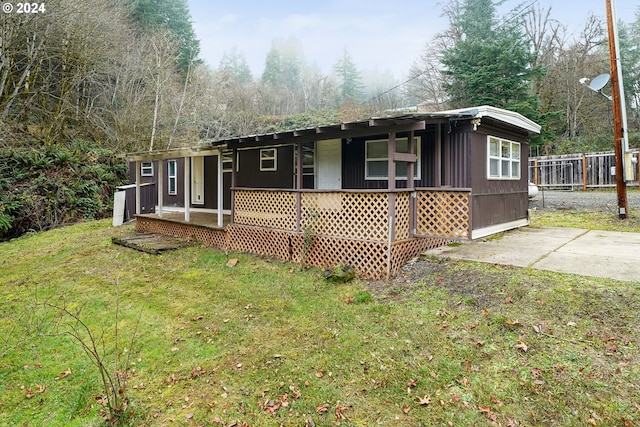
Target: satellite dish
pixel 599 82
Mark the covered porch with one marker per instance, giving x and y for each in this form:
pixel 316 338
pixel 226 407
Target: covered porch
pixel 376 232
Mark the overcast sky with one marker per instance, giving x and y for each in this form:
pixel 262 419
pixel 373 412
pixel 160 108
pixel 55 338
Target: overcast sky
pixel 379 34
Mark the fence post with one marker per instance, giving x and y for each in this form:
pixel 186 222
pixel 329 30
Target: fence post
pixel 584 172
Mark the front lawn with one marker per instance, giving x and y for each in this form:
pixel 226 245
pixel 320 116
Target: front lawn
pixel 265 344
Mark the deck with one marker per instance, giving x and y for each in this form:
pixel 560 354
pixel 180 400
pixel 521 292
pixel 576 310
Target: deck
pixel 375 232
pixel 204 219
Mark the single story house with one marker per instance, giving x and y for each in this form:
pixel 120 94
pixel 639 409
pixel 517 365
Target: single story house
pixel 371 194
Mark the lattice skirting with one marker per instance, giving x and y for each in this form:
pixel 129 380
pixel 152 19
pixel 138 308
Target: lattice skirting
pixel 260 241
pixel 403 251
pixel 369 259
pixel 372 260
pixel 208 236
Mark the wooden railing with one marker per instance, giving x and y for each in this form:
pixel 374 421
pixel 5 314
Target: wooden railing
pixel 368 215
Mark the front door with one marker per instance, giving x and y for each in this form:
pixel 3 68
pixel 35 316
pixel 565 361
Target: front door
pixel 197 180
pixel 329 172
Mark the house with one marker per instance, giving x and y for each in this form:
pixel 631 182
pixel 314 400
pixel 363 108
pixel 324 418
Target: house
pixel 371 194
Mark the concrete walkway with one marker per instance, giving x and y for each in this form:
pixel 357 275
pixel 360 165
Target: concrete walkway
pixel 608 254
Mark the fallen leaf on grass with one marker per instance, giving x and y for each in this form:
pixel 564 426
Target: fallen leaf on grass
pixel 62 375
pixel 340 411
pixel 39 390
pixel 522 346
pixel 496 401
pixel 322 408
pixel 514 322
pixel 490 415
pixel 424 401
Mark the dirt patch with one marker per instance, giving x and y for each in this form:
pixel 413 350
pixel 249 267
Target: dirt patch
pixel 473 285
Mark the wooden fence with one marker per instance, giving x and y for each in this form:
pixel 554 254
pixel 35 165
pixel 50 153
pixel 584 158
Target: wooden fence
pixel 578 171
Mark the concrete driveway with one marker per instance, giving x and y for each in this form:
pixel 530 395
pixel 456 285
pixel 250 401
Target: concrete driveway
pixel 608 254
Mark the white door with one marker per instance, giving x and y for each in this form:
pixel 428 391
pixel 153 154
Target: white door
pixel 197 180
pixel 329 171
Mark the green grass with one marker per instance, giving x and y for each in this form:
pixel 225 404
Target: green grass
pixel 590 220
pixel 266 344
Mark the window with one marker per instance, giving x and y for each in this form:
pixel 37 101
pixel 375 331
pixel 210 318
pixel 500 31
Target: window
pixel 146 168
pixel 269 159
pixel 227 162
pixel 173 177
pixel 504 159
pixel 377 159
pixel 308 159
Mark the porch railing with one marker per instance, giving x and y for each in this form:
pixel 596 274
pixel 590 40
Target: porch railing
pixel 368 215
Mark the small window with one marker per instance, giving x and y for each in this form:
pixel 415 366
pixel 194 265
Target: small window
pixel 227 162
pixel 503 159
pixel 269 159
pixel 377 159
pixel 146 168
pixel 173 177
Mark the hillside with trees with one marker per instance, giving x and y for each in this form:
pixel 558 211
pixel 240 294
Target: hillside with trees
pixel 86 81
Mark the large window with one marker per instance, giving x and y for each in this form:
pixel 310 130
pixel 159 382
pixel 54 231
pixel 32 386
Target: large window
pixel 504 159
pixel 173 177
pixel 269 159
pixel 377 159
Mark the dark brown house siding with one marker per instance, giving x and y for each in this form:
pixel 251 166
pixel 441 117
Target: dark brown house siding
pixel 249 173
pixel 176 200
pixel 143 179
pixel 353 164
pixel 497 201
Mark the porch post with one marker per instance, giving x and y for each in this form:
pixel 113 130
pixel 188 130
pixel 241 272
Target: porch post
pixel 160 182
pixel 187 189
pixel 438 157
pixel 234 177
pixel 411 187
pixel 220 190
pixel 299 187
pixel 138 179
pixel 391 185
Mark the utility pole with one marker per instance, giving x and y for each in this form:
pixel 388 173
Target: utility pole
pixel 618 129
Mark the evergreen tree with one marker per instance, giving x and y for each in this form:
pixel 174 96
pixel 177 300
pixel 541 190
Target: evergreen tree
pixel 350 86
pixel 235 65
pixel 171 15
pixel 489 62
pixel 629 39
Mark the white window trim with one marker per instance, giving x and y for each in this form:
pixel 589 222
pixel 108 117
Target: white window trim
pixel 227 161
pixel 418 169
pixel 146 168
pixel 500 159
pixel 173 177
pixel 274 158
pixel 312 166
